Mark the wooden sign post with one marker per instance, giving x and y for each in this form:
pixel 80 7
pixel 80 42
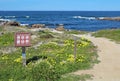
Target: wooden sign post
pixel 22 40
pixel 75 47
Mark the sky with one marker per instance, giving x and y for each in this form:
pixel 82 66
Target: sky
pixel 60 5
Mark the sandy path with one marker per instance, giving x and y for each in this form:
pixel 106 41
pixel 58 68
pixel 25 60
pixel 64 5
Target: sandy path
pixel 109 55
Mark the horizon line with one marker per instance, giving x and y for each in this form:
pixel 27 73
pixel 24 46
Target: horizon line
pixel 60 10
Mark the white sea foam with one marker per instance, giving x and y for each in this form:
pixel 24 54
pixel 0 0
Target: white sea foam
pixel 77 16
pixel 101 17
pixel 4 20
pixel 10 16
pixel 27 16
pixel 24 24
pixel 88 18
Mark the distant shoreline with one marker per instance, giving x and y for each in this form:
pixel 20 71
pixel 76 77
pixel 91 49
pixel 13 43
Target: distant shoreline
pixel 73 20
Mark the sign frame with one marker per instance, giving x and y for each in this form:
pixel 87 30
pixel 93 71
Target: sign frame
pixel 22 39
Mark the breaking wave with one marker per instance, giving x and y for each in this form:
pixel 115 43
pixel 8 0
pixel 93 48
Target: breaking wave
pixel 101 17
pixel 27 16
pixel 88 18
pixel 9 16
pixel 4 20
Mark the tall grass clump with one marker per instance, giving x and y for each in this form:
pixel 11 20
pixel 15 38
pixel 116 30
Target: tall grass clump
pixel 113 34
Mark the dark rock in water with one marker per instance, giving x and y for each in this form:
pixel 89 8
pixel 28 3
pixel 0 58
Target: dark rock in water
pixel 109 18
pixel 60 27
pixel 113 28
pixel 12 23
pixel 38 26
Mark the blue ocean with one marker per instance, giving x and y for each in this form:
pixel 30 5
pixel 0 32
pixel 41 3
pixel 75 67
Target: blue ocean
pixel 76 20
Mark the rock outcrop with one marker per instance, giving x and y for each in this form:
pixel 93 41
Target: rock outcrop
pixel 12 23
pixel 38 26
pixel 109 18
pixel 60 27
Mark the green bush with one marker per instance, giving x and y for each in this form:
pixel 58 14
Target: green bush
pixel 44 72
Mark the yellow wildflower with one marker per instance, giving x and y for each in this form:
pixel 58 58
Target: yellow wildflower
pixel 81 58
pixel 19 60
pixel 71 58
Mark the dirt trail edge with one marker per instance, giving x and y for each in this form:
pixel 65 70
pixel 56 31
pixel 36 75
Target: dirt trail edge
pixel 109 55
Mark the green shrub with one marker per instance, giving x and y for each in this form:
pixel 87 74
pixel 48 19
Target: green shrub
pixel 44 72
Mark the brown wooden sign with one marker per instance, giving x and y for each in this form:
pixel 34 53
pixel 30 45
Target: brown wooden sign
pixel 22 39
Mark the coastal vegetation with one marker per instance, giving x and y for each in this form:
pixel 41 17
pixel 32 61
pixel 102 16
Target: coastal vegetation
pixel 53 60
pixel 71 77
pixel 76 32
pixel 6 39
pixel 1 28
pixel 113 34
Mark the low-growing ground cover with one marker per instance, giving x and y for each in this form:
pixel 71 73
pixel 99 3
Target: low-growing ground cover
pixel 6 39
pixel 48 62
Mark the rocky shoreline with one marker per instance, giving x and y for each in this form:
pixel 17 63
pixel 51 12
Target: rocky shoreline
pixel 59 27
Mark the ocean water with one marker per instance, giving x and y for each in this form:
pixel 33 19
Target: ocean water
pixel 77 20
